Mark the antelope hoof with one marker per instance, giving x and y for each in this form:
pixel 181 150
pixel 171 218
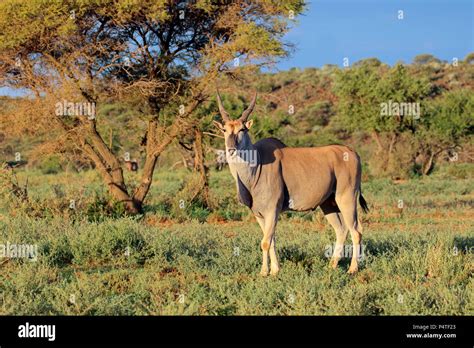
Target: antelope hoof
pixel 333 263
pixel 274 272
pixel 353 270
pixel 264 272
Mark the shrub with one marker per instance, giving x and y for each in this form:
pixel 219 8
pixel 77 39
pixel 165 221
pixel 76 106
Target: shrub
pixel 50 165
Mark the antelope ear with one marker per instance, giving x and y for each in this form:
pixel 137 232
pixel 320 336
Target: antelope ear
pixel 218 125
pixel 249 124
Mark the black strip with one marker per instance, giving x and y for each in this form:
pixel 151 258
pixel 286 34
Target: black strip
pixel 290 331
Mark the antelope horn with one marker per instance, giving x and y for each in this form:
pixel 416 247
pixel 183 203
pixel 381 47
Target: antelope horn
pixel 248 111
pixel 224 114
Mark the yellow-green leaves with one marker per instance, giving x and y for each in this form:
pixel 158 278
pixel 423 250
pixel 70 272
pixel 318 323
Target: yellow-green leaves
pixel 127 10
pixel 23 22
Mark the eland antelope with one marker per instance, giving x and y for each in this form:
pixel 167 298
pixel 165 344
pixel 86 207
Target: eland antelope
pixel 272 178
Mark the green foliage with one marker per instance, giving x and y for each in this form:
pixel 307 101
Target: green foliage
pixel 102 208
pixel 50 165
pixel 199 212
pixel 412 121
pixel 314 116
pixel 362 91
pixel 449 119
pixel 25 21
pixel 456 171
pixel 369 62
pixel 418 263
pixel 469 59
pixel 422 59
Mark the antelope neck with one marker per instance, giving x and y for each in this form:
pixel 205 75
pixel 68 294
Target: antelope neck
pixel 245 171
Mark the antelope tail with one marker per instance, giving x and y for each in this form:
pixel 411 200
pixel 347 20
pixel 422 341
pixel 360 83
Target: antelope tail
pixel 363 203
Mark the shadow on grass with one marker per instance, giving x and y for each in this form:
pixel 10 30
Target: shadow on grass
pixel 205 254
pixel 377 248
pixel 296 255
pixel 465 245
pixel 458 203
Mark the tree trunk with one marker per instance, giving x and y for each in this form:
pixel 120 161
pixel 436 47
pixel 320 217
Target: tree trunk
pixel 150 163
pixel 201 168
pixel 118 190
pixel 376 137
pixel 391 147
pixel 428 166
pixel 110 168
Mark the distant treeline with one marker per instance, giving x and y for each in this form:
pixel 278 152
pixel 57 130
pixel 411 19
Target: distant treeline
pixel 403 119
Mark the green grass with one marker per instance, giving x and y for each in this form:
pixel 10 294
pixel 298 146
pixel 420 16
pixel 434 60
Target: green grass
pixel 418 261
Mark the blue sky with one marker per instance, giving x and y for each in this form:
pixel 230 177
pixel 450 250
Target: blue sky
pixel 333 29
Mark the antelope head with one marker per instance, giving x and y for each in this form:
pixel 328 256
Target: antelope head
pixel 235 131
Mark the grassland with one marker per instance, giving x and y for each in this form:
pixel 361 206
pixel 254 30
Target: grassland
pixel 418 260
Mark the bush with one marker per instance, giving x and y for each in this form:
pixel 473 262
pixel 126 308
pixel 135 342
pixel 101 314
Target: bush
pixel 453 171
pixel 50 165
pixel 101 208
